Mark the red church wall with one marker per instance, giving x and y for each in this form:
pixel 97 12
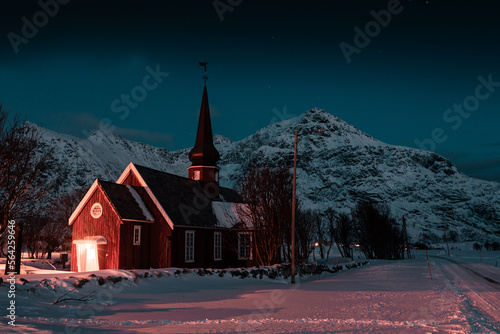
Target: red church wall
pixel 229 250
pixel 135 256
pixel 160 229
pixel 108 226
pixel 204 249
pixel 179 249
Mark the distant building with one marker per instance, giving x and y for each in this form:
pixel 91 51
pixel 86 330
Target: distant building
pixel 152 219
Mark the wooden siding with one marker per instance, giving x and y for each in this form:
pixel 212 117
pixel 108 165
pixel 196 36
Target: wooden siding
pixel 204 249
pixel 229 250
pixel 204 240
pixel 108 226
pixel 135 256
pixel 159 230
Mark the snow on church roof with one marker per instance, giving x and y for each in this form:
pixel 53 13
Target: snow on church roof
pixel 125 201
pixel 228 214
pixel 139 201
pixel 178 196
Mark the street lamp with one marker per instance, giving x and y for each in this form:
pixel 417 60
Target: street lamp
pixel 293 200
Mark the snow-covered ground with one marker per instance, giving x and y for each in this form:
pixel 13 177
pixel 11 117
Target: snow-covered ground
pixel 488 257
pixel 383 296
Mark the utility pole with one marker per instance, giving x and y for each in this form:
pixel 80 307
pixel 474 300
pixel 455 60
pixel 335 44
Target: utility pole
pixel 293 206
pixel 445 235
pixel 293 200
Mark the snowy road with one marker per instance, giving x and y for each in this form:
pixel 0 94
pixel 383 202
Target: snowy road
pixel 478 286
pixel 386 296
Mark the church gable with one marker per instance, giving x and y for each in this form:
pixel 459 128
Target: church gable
pixel 97 217
pixel 122 200
pixel 131 176
pixel 180 200
pixel 186 201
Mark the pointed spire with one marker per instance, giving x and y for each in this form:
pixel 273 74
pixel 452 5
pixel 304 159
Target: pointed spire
pixel 204 152
pixel 204 155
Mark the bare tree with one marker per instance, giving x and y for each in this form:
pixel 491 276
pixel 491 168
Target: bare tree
pixel 405 239
pixel 305 233
pixel 376 231
pixel 340 231
pixel 320 234
pixel 3 244
pixel 344 234
pixel 267 193
pixel 33 235
pixel 330 229
pixel 56 232
pixel 22 166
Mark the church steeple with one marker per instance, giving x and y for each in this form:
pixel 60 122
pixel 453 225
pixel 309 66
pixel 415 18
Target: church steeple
pixel 204 155
pixel 204 152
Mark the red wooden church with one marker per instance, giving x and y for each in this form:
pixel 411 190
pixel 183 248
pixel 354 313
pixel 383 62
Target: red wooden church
pixel 153 219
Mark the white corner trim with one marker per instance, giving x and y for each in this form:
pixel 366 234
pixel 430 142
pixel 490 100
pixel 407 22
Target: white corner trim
pixel 131 168
pixel 85 199
pixel 160 208
pixel 125 173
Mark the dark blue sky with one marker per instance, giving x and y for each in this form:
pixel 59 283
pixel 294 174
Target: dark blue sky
pixel 264 57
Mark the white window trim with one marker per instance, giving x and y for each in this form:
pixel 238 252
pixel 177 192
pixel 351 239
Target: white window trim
pixel 137 228
pixel 217 246
pixel 239 244
pixel 186 259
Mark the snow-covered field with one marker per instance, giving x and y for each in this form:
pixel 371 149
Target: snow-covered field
pixel 383 296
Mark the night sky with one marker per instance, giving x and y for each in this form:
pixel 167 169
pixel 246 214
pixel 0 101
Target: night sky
pixel 268 61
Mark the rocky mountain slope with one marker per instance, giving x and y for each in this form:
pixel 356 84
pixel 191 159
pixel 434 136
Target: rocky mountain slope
pixel 336 168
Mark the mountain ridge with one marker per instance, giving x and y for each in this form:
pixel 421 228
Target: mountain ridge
pixel 336 168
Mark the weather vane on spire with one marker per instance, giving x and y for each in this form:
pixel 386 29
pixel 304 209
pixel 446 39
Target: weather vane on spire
pixel 205 76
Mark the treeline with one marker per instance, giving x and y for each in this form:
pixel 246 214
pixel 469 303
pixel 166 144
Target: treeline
pixel 48 231
pixel 41 222
pixel 489 246
pixel 268 195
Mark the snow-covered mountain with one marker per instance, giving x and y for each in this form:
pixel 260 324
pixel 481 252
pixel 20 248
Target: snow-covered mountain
pixel 336 168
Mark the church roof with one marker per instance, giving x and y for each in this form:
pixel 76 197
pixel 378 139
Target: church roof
pixel 204 152
pixel 126 201
pixel 183 200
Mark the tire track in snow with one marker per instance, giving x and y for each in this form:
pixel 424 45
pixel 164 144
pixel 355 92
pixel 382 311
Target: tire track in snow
pixel 479 302
pixel 490 280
